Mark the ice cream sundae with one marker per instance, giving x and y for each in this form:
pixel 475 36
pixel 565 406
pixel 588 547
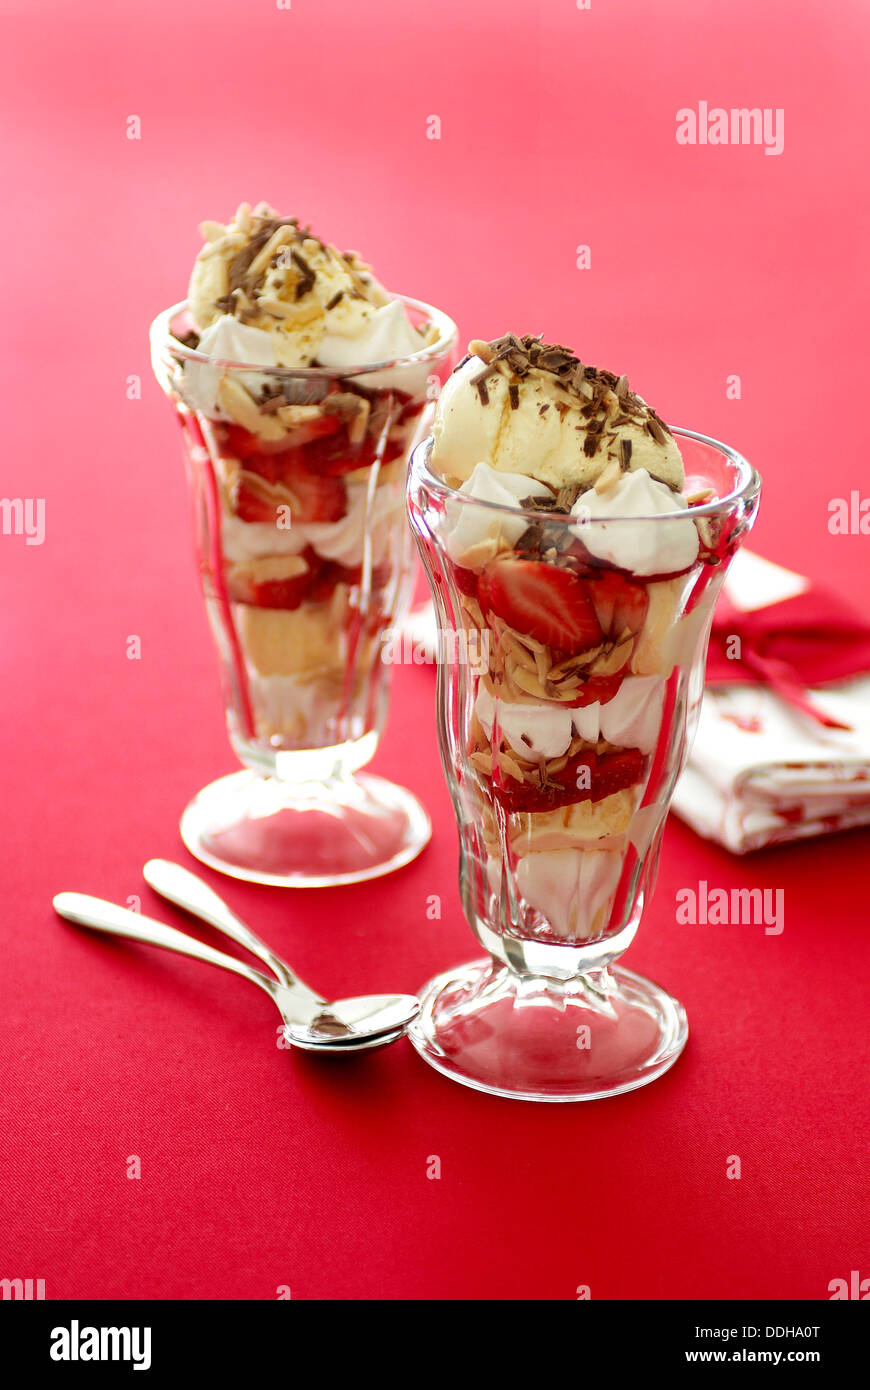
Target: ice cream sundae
pixel 308 467
pixel 587 575
pixel 300 384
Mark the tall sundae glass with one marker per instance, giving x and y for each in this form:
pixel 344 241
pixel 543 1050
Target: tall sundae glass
pixel 300 387
pixel 575 546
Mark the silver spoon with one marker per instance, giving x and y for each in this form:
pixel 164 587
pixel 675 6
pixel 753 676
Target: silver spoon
pixel 328 1022
pixel 375 1021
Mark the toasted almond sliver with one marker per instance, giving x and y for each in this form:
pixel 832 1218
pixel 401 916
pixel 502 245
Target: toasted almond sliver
pixel 519 653
pixel 482 762
pixel 480 554
pixel 240 406
pixel 512 768
pixel 472 608
pixel 211 231
pixel 267 568
pixel 531 643
pixel 529 682
pixel 542 666
pixel 278 239
pixel 225 246
pixel 478 348
pixel 609 477
pixel 614 660
pixel 293 415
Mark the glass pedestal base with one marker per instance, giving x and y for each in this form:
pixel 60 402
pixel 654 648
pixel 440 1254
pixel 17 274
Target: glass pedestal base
pixel 530 1038
pixel 314 835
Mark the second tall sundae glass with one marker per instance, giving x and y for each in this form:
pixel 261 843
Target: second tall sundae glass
pixel 571 669
pixel 298 482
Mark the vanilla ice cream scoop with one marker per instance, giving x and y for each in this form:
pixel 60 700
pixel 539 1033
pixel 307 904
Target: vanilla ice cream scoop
pixel 314 304
pixel 524 406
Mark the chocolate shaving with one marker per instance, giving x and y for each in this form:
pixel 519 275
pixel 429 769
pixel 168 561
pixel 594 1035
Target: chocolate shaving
pixel 590 445
pixel 603 399
pixel 514 394
pixel 306 275
pixel 625 451
pixel 336 298
pixel 481 390
pixel 567 496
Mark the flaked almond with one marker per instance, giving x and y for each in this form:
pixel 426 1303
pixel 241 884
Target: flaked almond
pixel 472 608
pixel 282 237
pixel 529 682
pixel 211 231
pixel 353 409
pixel 509 766
pixel 269 569
pixel 293 415
pixel 609 477
pixel 239 404
pixel 518 651
pixel 612 661
pixel 480 554
pixel 478 348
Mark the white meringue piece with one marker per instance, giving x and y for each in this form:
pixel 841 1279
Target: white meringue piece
pixel 649 545
pixel 570 886
pixel 633 717
pixel 230 341
pixel 386 334
pixel 546 727
pixel 341 540
pixel 471 526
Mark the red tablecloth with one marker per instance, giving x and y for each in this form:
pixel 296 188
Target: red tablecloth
pixel 262 1168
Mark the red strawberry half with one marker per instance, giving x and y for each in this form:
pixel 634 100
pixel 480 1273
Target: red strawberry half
pixel 607 773
pixel 620 603
pixel 542 601
pixel 309 496
pixel 279 593
pixel 332 455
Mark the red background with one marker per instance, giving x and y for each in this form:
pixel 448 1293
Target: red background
pixel 260 1167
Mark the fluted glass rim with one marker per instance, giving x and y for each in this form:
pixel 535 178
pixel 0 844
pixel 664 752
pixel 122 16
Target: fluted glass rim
pixel 745 494
pixel 162 340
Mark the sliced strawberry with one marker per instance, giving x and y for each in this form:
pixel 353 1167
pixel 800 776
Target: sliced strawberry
pixel 316 498
pixel 309 497
pixel 620 603
pixel 275 468
pixel 251 506
pixel 279 593
pixel 597 689
pixel 542 601
pixel 320 427
pixel 466 581
pixel 333 573
pixel 608 773
pixel 616 771
pixel 333 455
pixel 240 443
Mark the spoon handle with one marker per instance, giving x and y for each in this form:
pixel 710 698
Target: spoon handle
pixel 104 916
pixel 183 888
